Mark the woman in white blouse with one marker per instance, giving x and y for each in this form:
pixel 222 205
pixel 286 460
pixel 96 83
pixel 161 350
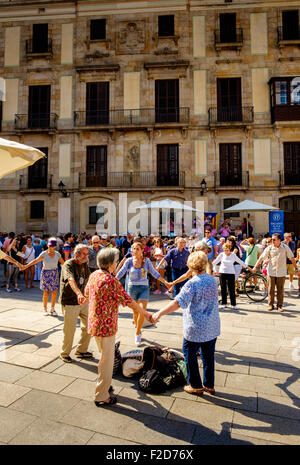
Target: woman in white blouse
pixel 227 259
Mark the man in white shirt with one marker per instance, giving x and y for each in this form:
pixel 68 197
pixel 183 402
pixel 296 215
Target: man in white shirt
pixel 276 256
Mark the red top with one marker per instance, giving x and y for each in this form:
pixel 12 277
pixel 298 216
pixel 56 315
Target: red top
pixel 105 295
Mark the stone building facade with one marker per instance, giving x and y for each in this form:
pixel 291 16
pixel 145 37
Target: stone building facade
pixel 150 99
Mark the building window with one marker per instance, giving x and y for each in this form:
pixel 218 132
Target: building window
pixel 96 214
pixel 97 102
pixel 230 203
pixel 286 91
pixel 38 172
pixel 166 26
pixel 39 106
pixel 98 29
pixel 229 99
pixel 227 27
pixel 167 165
pixel 291 153
pixel 167 100
pixel 40 38
pixel 290 25
pixel 230 164
pixel 96 166
pixel 36 209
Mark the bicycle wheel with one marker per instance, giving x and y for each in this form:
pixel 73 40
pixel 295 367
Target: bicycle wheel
pixel 256 287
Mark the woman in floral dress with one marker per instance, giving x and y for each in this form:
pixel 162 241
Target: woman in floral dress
pixel 105 294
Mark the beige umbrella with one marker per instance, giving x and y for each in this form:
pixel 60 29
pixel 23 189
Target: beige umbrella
pixel 15 156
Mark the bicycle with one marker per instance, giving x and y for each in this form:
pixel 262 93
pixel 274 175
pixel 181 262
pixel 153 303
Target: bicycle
pixel 254 285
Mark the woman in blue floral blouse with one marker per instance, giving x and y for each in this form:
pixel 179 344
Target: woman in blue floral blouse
pixel 201 323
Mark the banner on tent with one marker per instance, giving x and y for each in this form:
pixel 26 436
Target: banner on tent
pixel 276 222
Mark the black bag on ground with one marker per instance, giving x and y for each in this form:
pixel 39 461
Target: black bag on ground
pixel 175 377
pixel 151 381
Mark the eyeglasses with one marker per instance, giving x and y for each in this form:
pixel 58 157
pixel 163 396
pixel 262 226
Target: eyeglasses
pixel 207 232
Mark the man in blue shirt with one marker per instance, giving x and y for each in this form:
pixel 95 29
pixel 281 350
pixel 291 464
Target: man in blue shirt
pixel 213 244
pixel 178 259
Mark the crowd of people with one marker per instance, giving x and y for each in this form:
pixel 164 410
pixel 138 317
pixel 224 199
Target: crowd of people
pixel 95 274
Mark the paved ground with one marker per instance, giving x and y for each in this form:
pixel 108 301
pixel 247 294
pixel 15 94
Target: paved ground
pixel 44 401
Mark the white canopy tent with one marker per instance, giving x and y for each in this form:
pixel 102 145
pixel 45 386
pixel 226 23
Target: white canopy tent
pixel 169 204
pixel 250 206
pixel 15 156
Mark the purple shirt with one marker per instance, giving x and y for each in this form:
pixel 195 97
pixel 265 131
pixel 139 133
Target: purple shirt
pixel 178 258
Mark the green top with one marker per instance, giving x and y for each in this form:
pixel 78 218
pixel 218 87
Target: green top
pixel 80 273
pixel 252 255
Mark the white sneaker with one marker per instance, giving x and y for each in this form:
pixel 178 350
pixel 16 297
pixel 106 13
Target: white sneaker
pixel 45 313
pixel 234 307
pixel 138 339
pixel 291 287
pixel 222 305
pixel 53 312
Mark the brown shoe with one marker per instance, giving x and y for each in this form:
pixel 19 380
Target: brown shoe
pixel 270 308
pixel 280 309
pixel 210 390
pixel 195 391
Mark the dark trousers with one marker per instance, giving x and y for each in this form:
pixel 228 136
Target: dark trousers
pixel 227 279
pixel 176 273
pixel 207 353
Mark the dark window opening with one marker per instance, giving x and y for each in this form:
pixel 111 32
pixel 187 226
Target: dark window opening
pixel 167 165
pixel 40 38
pixel 38 172
pixel 291 153
pixel 227 27
pixel 166 26
pixel 39 107
pixel 229 98
pixel 167 100
pixel 37 209
pixel 290 25
pixel 96 166
pixel 230 203
pixel 230 164
pixel 98 29
pixel 95 215
pixel 97 102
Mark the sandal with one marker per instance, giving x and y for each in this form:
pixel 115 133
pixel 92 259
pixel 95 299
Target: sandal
pixel 112 400
pixel 210 390
pixel 195 391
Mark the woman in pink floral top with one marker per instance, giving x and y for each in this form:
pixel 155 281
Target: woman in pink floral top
pixel 105 294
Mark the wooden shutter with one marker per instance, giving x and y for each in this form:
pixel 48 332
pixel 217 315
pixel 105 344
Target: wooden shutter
pixel 166 100
pixel 97 102
pixel 167 165
pixel 96 166
pixel 38 172
pixel 39 106
pixel 291 163
pixel 230 165
pixel 229 98
pixel 40 38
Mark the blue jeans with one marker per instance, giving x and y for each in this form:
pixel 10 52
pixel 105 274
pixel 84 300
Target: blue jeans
pixel 176 273
pixel 207 353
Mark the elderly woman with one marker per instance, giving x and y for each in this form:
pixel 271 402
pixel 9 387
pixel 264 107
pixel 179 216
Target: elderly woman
pixel 201 323
pixel 105 294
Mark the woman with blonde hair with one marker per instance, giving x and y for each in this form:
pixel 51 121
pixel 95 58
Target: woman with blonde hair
pixel 138 268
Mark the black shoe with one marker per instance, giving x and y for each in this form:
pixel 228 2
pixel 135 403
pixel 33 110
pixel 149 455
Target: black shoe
pixel 112 401
pixel 66 358
pixel 84 354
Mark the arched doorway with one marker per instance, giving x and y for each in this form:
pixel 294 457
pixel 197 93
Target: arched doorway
pixel 291 207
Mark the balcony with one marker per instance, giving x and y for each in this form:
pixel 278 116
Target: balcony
pixel 144 117
pixel 35 49
pixel 287 37
pixel 289 179
pixel 134 180
pixel 35 184
pixel 231 181
pixel 46 121
pixel 285 113
pixel 232 41
pixel 235 116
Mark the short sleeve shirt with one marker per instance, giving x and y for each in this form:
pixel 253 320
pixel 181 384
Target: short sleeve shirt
pixel 80 273
pixel 105 295
pixel 178 259
pixel 199 300
pixel 211 242
pixel 252 253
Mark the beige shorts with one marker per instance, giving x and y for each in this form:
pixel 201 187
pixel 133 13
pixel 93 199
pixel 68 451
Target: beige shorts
pixel 290 268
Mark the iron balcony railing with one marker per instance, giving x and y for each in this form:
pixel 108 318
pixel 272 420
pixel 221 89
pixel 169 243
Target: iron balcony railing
pixel 230 115
pixel 134 179
pixel 27 182
pixel 288 34
pixel 287 178
pixel 121 117
pixel 240 179
pixel 36 121
pixel 232 37
pixel 42 46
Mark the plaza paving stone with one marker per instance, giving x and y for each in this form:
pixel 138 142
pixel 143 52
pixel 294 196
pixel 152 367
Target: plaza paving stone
pixel 45 401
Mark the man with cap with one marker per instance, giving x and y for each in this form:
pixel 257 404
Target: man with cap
pixel 93 252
